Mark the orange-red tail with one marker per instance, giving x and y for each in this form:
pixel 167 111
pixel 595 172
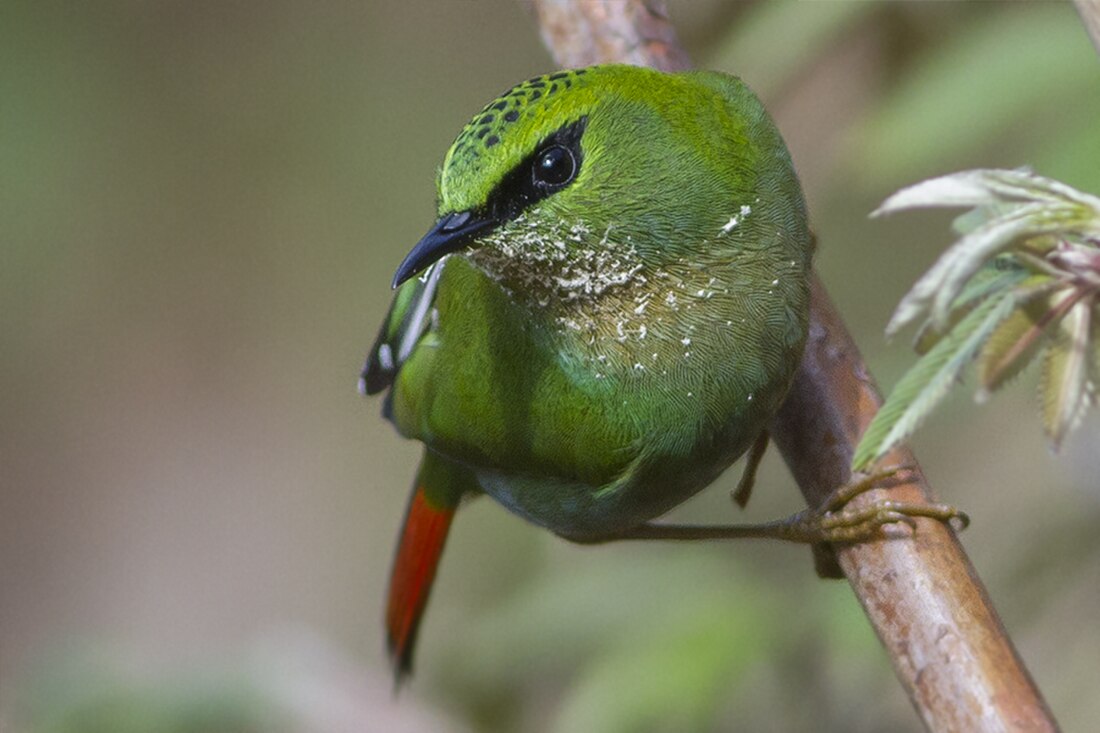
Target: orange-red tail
pixel 418 552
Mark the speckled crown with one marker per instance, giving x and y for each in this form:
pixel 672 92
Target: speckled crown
pixel 496 124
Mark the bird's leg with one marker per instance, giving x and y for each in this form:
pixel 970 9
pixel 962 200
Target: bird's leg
pixel 831 522
pixel 748 476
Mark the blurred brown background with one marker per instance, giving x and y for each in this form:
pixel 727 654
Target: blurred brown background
pixel 202 204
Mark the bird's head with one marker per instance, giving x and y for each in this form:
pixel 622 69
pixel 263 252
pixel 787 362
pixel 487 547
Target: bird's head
pixel 586 177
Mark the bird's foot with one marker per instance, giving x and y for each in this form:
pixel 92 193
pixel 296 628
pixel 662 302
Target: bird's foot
pixel 835 521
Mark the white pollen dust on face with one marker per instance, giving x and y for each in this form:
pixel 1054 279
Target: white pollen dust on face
pixel 595 287
pixel 557 262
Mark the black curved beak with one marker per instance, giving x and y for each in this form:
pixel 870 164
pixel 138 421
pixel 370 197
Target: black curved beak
pixel 449 234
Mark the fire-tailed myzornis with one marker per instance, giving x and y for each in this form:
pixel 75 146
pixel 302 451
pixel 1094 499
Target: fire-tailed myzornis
pixel 607 312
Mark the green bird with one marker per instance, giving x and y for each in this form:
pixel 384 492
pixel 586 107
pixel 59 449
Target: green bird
pixel 606 314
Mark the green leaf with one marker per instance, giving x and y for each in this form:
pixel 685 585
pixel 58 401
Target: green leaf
pixel 944 281
pixel 1094 356
pixel 1043 237
pixel 969 188
pixel 1014 207
pixel 1010 348
pixel 997 188
pixel 1002 273
pixel 1063 388
pixel 928 382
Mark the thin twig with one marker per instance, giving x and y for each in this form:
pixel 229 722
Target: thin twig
pixel 920 593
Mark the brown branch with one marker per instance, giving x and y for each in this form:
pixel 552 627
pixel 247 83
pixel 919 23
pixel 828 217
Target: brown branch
pixel 1089 10
pixel 586 33
pixel 920 592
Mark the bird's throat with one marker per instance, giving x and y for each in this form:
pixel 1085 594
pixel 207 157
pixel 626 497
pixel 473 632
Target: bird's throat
pixel 597 292
pixel 558 265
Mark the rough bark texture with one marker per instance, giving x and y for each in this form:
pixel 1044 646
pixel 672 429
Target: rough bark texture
pixel 919 590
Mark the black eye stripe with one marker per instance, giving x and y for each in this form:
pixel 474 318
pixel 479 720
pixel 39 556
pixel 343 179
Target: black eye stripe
pixel 553 166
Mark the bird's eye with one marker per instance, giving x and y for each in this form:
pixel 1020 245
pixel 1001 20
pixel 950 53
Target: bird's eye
pixel 555 166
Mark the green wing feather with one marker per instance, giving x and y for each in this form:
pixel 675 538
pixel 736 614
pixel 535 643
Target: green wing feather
pixel 408 319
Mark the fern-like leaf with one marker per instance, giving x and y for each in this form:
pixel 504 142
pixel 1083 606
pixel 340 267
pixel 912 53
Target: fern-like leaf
pixel 930 379
pixel 1017 340
pixel 1002 273
pixel 944 281
pixel 1022 279
pixel 1010 207
pixel 1064 384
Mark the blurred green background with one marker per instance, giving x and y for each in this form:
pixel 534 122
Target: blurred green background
pixel 202 204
